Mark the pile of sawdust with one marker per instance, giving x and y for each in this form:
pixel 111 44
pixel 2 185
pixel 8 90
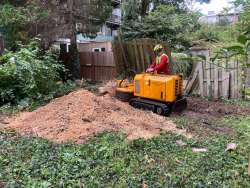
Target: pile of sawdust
pixel 81 115
pixel 108 88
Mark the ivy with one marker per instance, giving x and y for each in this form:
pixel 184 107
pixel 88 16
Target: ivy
pixel 108 160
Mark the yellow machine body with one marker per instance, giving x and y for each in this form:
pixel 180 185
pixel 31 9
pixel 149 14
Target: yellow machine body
pixel 156 92
pixel 165 88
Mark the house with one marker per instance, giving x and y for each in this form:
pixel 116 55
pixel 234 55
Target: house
pixel 103 41
pixel 228 19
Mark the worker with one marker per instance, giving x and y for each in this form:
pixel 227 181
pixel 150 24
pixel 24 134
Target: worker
pixel 160 64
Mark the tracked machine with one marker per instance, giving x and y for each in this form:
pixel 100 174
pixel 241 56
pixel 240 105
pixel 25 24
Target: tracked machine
pixel 158 93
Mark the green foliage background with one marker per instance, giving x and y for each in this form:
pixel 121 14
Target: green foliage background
pixel 166 24
pixel 16 23
pixel 29 75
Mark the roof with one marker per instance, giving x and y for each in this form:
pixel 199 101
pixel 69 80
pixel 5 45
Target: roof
pixel 82 39
pixel 228 14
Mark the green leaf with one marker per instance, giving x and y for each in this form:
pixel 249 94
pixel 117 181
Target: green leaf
pixel 203 57
pixel 248 44
pixel 236 48
pixel 243 39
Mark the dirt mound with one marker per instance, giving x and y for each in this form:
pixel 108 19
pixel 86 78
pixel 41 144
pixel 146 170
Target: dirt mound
pixel 108 88
pixel 214 108
pixel 81 115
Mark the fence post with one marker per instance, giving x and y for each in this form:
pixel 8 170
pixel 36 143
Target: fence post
pixel 131 56
pixel 216 82
pixel 208 72
pixel 137 58
pixel 142 62
pixel 201 78
pixel 225 84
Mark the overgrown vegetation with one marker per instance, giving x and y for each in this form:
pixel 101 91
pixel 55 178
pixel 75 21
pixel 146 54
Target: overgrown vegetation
pixel 20 23
pixel 166 24
pixel 110 161
pixel 30 76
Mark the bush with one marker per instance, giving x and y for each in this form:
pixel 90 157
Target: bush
pixel 208 34
pixel 182 63
pixel 27 75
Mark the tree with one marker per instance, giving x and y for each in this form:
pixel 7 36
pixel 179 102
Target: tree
pixel 16 22
pixel 178 4
pixel 14 2
pixel 244 20
pixel 204 1
pixel 242 3
pixel 165 23
pixel 61 20
pixel 134 9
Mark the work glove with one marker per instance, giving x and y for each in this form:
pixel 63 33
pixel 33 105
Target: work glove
pixel 149 70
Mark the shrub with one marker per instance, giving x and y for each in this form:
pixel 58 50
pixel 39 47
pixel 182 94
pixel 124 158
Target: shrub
pixel 27 74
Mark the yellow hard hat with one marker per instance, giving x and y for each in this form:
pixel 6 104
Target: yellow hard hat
pixel 158 47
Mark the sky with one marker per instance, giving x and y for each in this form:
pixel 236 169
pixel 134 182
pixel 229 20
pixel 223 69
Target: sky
pixel 214 5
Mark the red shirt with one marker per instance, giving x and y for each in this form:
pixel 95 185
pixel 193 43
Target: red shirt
pixel 162 67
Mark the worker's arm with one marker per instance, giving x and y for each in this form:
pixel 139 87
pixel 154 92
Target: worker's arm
pixel 163 64
pixel 151 67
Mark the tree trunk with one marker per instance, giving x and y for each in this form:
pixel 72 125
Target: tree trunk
pixel 74 59
pixel 144 7
pixel 73 50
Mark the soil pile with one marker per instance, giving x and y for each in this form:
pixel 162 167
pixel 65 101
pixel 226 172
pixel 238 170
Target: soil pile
pixel 108 88
pixel 81 115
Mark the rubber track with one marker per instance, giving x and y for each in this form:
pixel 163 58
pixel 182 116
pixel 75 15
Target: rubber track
pixel 149 105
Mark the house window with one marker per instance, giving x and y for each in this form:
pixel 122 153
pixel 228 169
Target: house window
pixel 98 49
pixel 63 48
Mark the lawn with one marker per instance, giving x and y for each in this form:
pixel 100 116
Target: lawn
pixel 109 160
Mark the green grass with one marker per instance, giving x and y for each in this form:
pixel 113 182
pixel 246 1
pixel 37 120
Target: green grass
pixel 238 102
pixel 110 161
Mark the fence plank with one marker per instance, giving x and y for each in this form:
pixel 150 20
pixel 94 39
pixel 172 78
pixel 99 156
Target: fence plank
pixel 234 79
pixel 238 80
pixel 201 78
pixel 225 84
pixel 117 57
pixel 248 77
pixel 138 68
pixel 138 52
pixel 232 86
pixel 208 72
pixel 190 85
pixel 97 66
pixel 131 56
pixel 216 82
pixel 145 55
pixel 142 61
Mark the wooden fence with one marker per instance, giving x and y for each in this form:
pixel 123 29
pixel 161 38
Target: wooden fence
pixel 215 81
pixel 97 66
pixel 248 77
pixel 135 55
